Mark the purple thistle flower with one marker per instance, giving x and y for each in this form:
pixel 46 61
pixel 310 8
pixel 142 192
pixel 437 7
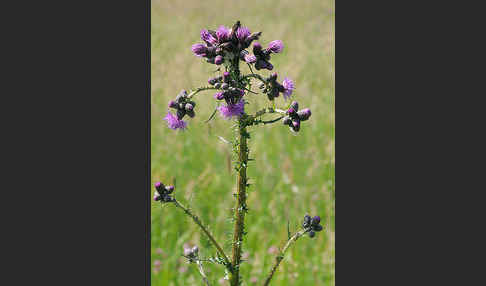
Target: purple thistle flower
pixel 230 110
pixel 223 34
pixel 218 60
pixel 276 46
pixel 208 38
pixel 289 86
pixel 199 50
pixel 174 123
pixel 242 33
pixel 250 58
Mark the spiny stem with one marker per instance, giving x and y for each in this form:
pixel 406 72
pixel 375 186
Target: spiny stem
pixel 203 274
pixel 240 208
pixel 208 234
pixel 199 89
pixel 281 255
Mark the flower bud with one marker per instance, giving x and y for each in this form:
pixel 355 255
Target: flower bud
pixel 224 85
pixel 180 113
pixel 219 95
pixel 212 80
pixel 312 234
pixel 190 113
pixel 159 186
pixel 172 104
pixel 275 46
pixel 291 111
pixel 199 50
pixel 307 221
pixel 316 220
pixel 226 77
pixel 304 114
pixel 294 105
pixel 169 189
pixel 296 126
pixel 195 250
pixel 188 107
pixel 217 85
pixel 286 120
pixel 317 227
pixel 257 48
pixel 156 196
pixel 250 59
pixel 273 77
pixel 218 60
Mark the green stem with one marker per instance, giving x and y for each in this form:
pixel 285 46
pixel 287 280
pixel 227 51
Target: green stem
pixel 199 89
pixel 240 208
pixel 281 255
pixel 203 274
pixel 206 231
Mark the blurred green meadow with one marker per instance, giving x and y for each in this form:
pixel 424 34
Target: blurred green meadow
pixel 292 175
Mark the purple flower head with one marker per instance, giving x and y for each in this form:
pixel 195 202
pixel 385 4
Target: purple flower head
pixel 289 86
pixel 162 193
pixel 218 60
pixel 157 197
pixel 291 110
pixel 208 38
pixel 169 189
pixel 223 34
pixel 174 123
pixel 242 33
pixel 250 58
pixel 159 186
pixel 275 46
pixel 199 50
pixel 231 110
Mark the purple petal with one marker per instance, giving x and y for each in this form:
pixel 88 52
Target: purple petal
pixel 199 50
pixel 242 33
pixel 231 110
pixel 276 46
pixel 208 38
pixel 175 123
pixel 223 34
pixel 289 86
pixel 250 58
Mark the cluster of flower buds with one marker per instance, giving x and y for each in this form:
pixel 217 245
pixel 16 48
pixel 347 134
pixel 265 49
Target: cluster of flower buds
pixel 261 57
pixel 294 117
pixel 233 96
pixel 162 193
pixel 312 225
pixel 183 106
pixel 191 253
pixel 274 89
pixel 222 41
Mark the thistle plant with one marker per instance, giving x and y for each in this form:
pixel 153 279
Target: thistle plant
pixel 227 48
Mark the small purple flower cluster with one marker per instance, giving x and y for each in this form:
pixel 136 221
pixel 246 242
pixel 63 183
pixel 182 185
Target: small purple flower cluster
pixel 286 88
pixel 191 253
pixel 261 57
pixel 183 107
pixel 235 105
pixel 162 193
pixel 223 40
pixel 312 224
pixel 294 117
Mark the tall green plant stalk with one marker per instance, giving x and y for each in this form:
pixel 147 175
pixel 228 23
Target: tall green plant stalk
pixel 240 207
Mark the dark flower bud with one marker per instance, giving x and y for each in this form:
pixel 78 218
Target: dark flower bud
pixel 181 105
pixel 286 120
pixel 217 85
pixel 173 104
pixel 273 77
pixel 180 113
pixel 169 189
pixel 257 48
pixel 191 113
pixel 312 234
pixel 252 38
pixel 291 111
pixel 188 107
pixel 296 126
pixel 180 97
pixel 224 85
pixel 157 196
pixel 219 95
pixel 294 105
pixel 210 60
pixel 159 186
pixel 304 114
pixel 218 60
pixel 260 64
pixel 213 80
pixel 307 221
pixel 316 220
pixel 226 77
pixel 317 227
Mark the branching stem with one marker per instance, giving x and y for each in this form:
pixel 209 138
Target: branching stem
pixel 206 231
pixel 203 274
pixel 281 255
pixel 199 89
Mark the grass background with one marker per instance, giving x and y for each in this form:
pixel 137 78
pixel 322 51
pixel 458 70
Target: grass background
pixel 292 175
